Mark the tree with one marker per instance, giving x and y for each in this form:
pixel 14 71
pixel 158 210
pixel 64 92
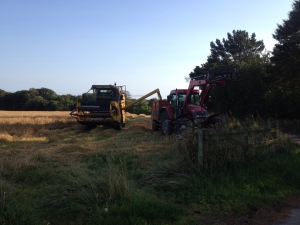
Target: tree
pixel 8 102
pixel 2 93
pixel 127 95
pixel 235 50
pixel 151 101
pixel 142 108
pixel 285 67
pixel 36 99
pixel 128 100
pixel 245 54
pixel 33 92
pixel 67 102
pixel 286 53
pixel 36 103
pixel 198 71
pixel 20 98
pixel 2 102
pixel 47 94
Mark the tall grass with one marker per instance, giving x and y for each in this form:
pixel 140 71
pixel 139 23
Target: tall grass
pixel 241 186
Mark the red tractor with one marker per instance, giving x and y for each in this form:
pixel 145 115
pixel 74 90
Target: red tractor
pixel 189 104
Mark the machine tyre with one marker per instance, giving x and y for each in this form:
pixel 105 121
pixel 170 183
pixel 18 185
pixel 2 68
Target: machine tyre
pixel 165 124
pixel 118 126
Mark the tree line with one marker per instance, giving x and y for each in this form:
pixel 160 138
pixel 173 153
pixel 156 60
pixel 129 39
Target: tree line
pixel 272 87
pixel 45 99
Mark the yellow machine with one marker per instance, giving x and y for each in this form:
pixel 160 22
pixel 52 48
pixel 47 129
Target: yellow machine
pixel 104 105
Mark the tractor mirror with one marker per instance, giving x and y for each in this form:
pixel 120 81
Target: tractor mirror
pixel 169 97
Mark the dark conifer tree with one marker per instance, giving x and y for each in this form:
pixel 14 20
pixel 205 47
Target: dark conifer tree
pixel 285 68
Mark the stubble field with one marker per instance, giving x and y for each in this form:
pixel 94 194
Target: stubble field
pixel 58 135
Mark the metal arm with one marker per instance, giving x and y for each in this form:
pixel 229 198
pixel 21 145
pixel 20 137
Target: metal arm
pixel 214 78
pixel 143 97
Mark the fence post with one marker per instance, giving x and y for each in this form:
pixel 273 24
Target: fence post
pixel 200 148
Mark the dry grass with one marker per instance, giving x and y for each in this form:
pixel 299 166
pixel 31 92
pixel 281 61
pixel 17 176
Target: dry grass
pixel 30 125
pixel 57 136
pixel 33 117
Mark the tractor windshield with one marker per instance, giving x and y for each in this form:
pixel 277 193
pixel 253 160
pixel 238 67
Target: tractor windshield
pixel 99 94
pixel 194 99
pixel 110 94
pixel 181 98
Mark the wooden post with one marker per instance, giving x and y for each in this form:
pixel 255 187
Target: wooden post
pixel 200 148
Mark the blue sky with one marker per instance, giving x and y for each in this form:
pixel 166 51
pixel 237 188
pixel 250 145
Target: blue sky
pixel 68 46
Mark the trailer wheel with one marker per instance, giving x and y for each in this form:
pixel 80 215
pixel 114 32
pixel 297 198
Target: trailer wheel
pixel 155 125
pixel 165 124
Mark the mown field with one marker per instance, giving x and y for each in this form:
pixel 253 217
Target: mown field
pixel 53 171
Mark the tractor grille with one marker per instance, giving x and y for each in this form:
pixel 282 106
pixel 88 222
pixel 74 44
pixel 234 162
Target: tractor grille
pixel 95 107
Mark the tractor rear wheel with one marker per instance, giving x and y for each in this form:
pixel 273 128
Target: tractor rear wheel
pixel 165 124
